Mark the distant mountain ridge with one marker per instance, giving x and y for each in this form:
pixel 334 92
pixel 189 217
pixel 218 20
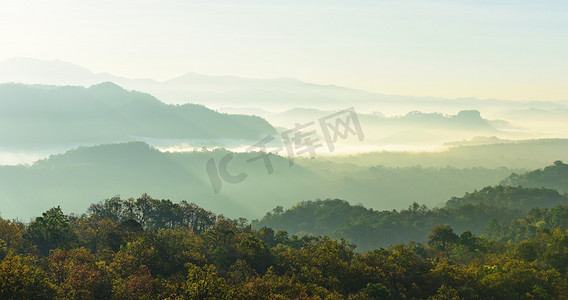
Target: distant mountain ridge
pixel 413 128
pixel 232 91
pixel 465 119
pixel 40 116
pixel 85 175
pixel 89 174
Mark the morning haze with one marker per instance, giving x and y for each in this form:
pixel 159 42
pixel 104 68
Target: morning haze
pixel 297 150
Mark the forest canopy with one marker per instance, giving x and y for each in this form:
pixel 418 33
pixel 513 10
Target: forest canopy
pixel 147 248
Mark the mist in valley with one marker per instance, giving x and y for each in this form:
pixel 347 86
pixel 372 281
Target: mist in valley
pixel 298 150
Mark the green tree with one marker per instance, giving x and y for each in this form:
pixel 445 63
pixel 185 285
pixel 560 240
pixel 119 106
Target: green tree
pixel 3 249
pixel 442 237
pixel 205 283
pixel 78 275
pixel 51 231
pixel 21 278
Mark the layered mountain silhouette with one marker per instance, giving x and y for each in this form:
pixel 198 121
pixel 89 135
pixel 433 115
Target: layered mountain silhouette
pixel 273 94
pixel 386 180
pixel 414 128
pixel 90 174
pixel 38 116
pixel 87 175
pixel 469 120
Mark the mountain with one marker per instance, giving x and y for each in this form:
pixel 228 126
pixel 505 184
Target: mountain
pixel 412 129
pixel 469 120
pixel 38 116
pixel 270 97
pixel 56 72
pixel 522 154
pixel 277 94
pixel 89 174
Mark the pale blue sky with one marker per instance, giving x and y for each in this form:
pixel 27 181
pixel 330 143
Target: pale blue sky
pixel 504 49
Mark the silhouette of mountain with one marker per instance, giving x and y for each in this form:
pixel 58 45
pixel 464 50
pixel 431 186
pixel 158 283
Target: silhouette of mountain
pixel 56 72
pixel 36 116
pixel 272 94
pixel 89 174
pixel 414 128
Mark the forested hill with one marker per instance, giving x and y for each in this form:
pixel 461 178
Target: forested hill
pixel 85 175
pixel 479 212
pixel 88 174
pixel 511 197
pixel 35 116
pixel 554 177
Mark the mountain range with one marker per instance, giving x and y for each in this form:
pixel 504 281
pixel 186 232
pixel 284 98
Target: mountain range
pixel 277 94
pixel 87 175
pixel 40 116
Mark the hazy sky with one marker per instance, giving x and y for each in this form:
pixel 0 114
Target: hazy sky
pixel 504 49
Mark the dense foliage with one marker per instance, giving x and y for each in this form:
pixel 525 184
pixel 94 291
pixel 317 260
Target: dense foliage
pixel 554 177
pixel 149 249
pixel 512 197
pixel 371 229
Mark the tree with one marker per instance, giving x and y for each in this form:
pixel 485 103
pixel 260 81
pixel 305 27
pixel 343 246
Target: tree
pixel 140 285
pixel 20 278
pixel 12 234
pixel 255 252
pixel 78 275
pixel 3 249
pixel 442 236
pixel 205 283
pixel 100 234
pixel 50 231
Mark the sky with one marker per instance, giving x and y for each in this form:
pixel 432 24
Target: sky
pixel 487 49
